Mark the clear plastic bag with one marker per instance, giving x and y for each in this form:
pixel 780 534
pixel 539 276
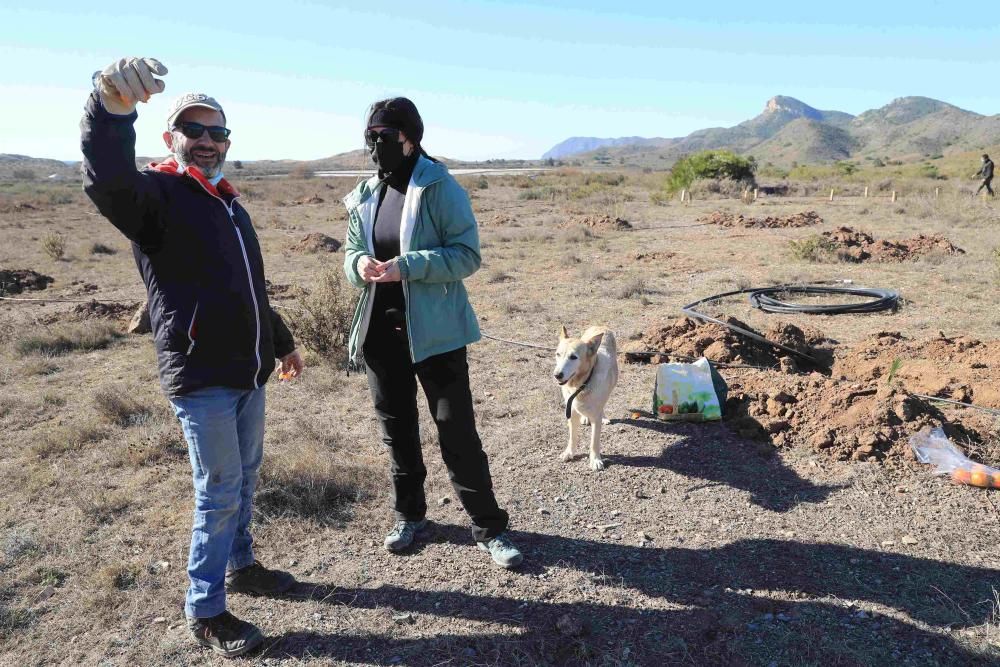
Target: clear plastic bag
pixel 932 446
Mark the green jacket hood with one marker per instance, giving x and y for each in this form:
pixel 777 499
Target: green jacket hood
pixel 425 173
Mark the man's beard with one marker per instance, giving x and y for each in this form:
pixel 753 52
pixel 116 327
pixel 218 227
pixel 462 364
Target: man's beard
pixel 186 159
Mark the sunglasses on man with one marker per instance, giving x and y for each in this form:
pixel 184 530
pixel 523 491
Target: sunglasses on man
pixel 387 135
pixel 194 131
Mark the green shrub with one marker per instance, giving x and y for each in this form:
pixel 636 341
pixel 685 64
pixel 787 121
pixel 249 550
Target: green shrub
pixel 713 164
pixel 813 248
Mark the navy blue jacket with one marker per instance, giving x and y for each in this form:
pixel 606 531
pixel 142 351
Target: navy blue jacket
pixel 198 255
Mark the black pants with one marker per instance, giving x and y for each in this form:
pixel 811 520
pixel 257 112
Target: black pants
pixel 985 184
pixel 392 378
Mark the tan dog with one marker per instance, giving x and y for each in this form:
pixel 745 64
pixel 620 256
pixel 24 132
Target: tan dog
pixel 587 371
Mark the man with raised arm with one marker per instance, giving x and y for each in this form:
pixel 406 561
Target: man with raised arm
pixel 216 336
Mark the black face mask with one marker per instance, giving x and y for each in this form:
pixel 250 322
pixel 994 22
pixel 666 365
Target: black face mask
pixel 388 155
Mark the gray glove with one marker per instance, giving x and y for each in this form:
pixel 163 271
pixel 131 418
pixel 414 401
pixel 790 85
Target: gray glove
pixel 126 82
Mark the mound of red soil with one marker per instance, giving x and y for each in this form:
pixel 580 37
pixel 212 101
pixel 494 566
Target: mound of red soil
pixel 858 246
pixel 858 414
pixel 686 337
pixel 844 419
pixel 960 368
pixel 101 310
pixel 15 281
pixel 603 222
pixel 316 242
pixel 727 219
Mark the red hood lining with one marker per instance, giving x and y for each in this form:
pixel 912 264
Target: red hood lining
pixel 170 166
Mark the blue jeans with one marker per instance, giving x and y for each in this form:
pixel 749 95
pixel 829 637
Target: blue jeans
pixel 224 429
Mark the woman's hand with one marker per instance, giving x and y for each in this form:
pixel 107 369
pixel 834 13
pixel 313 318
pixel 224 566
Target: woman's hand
pixel 388 272
pixel 368 268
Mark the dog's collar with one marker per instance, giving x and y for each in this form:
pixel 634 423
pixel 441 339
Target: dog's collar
pixel 569 401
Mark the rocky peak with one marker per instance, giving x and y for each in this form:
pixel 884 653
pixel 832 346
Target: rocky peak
pixel 790 105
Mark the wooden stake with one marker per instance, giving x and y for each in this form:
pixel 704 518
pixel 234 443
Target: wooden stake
pixel 866 192
pixel 831 194
pixel 937 192
pixel 893 196
pixel 755 194
pixel 683 192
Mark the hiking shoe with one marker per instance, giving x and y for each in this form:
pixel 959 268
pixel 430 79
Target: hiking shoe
pixel 258 580
pixel 402 534
pixel 503 551
pixel 225 634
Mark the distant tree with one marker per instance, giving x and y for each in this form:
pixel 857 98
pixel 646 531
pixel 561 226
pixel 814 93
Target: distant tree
pixel 846 168
pixel 238 165
pixel 24 174
pixel 711 164
pixel 550 163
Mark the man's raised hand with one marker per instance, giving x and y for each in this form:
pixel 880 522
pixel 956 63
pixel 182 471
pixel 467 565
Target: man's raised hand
pixel 128 81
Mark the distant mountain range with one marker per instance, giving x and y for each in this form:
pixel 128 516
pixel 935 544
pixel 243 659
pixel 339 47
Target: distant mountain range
pixel 789 130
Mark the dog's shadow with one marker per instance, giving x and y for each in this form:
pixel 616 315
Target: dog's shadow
pixel 711 452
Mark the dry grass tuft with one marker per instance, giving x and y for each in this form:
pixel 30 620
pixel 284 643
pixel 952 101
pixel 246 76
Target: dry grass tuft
pixel 153 443
pixel 84 337
pixel 54 246
pixel 312 478
pixel 122 409
pixel 102 506
pixel 13 619
pixel 636 287
pixel 20 543
pixel 38 366
pixel 65 438
pixel 497 276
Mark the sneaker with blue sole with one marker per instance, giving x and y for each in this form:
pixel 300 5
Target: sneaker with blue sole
pixel 502 550
pixel 402 534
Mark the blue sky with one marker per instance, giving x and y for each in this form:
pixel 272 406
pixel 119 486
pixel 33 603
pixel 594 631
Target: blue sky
pixel 491 79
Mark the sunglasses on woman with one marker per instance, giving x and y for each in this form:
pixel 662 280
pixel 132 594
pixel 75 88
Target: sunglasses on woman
pixel 386 134
pixel 195 130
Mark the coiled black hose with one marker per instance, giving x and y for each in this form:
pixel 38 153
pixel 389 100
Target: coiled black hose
pixel 760 297
pixel 879 299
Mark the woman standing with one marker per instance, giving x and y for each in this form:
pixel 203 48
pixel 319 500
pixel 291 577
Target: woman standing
pixel 411 239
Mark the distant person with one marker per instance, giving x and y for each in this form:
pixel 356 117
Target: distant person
pixel 986 173
pixel 411 239
pixel 215 334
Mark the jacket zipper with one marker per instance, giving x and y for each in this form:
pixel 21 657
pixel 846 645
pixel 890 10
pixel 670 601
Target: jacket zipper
pixel 190 331
pixel 253 293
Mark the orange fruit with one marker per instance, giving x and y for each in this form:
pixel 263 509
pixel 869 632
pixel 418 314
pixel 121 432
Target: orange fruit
pixel 961 475
pixel 979 478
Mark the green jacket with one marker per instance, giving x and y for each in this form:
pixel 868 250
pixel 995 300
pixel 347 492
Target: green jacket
pixel 439 246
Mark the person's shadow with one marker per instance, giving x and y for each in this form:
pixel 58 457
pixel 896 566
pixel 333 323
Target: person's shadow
pixel 749 602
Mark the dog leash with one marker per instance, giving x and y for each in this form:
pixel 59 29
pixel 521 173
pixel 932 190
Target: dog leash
pixel 569 401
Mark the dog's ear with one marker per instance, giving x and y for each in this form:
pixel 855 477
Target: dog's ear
pixel 595 342
pixel 563 334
